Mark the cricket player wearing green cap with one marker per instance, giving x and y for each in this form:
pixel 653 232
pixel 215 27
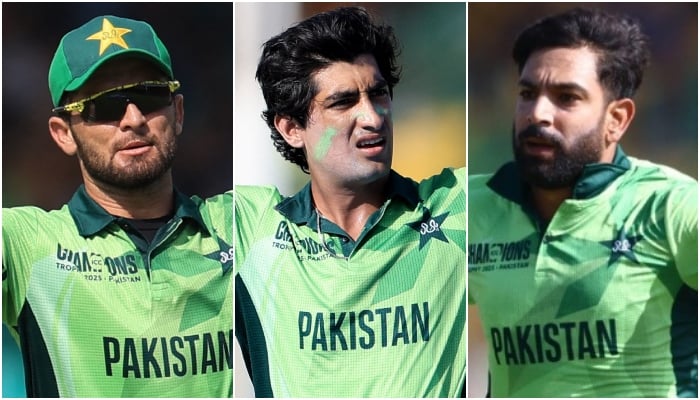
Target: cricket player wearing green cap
pixel 125 291
pixel 354 286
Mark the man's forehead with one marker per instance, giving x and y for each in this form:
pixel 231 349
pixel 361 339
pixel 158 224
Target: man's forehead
pixel 560 65
pixel 346 87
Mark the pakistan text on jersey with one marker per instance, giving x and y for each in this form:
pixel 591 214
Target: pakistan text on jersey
pixel 553 342
pixel 83 261
pixel 163 357
pixel 482 253
pixel 352 330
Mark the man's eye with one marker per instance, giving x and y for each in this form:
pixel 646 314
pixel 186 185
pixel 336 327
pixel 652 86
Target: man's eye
pixel 526 94
pixel 342 103
pixel 568 97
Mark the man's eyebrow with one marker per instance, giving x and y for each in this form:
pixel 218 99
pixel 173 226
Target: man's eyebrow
pixel 341 95
pixel 556 85
pixel 349 94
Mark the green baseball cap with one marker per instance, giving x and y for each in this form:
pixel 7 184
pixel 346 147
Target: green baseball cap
pixel 82 50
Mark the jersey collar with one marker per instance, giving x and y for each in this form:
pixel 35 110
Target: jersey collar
pixel 300 210
pixel 90 218
pixel 594 179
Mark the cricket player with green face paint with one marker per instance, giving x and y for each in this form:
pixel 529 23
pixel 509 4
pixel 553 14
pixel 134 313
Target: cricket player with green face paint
pixel 355 286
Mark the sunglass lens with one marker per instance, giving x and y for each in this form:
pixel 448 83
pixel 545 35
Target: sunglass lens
pixel 112 106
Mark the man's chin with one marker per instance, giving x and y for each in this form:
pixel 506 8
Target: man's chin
pixel 542 176
pixel 129 179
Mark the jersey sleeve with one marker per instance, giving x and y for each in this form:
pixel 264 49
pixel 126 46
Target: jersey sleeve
pixel 220 211
pixel 452 180
pixel 217 212
pixel 449 188
pixel 682 228
pixel 19 232
pixel 478 198
pixel 251 205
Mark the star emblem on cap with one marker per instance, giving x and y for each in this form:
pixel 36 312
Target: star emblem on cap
pixel 110 35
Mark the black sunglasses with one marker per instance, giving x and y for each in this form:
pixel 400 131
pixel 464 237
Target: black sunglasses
pixel 110 105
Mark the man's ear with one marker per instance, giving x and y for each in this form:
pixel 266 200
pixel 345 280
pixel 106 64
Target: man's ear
pixel 618 118
pixel 63 136
pixel 291 131
pixel 179 113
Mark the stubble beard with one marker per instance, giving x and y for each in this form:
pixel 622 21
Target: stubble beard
pixel 140 173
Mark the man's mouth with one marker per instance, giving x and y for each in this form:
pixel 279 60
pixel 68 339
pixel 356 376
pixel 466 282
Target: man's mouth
pixel 367 143
pixel 135 147
pixel 540 147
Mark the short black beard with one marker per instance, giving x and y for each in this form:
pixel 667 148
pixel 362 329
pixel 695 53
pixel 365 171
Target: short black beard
pixel 568 163
pixel 139 176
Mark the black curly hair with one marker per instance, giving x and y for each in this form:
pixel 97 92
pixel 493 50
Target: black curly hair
pixel 622 48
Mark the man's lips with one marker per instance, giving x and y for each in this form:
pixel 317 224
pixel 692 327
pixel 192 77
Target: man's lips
pixel 372 145
pixel 371 142
pixel 539 147
pixel 537 141
pixel 135 147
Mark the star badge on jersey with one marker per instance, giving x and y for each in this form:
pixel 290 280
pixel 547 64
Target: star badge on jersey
pixel 429 227
pixel 110 35
pixel 587 291
pixel 224 255
pixel 622 246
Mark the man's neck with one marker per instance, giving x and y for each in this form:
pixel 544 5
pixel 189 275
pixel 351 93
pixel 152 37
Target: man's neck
pixel 547 201
pixel 152 201
pixel 349 208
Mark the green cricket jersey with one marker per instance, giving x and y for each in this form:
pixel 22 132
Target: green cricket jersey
pixel 98 312
pixel 602 301
pixel 388 321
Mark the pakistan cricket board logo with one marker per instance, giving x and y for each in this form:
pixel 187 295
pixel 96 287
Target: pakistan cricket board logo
pixel 429 227
pixel 622 246
pixel 225 258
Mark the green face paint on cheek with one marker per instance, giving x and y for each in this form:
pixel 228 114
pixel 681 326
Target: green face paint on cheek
pixel 381 110
pixel 324 144
pixel 359 116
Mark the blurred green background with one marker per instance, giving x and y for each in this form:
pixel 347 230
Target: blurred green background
pixel 665 129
